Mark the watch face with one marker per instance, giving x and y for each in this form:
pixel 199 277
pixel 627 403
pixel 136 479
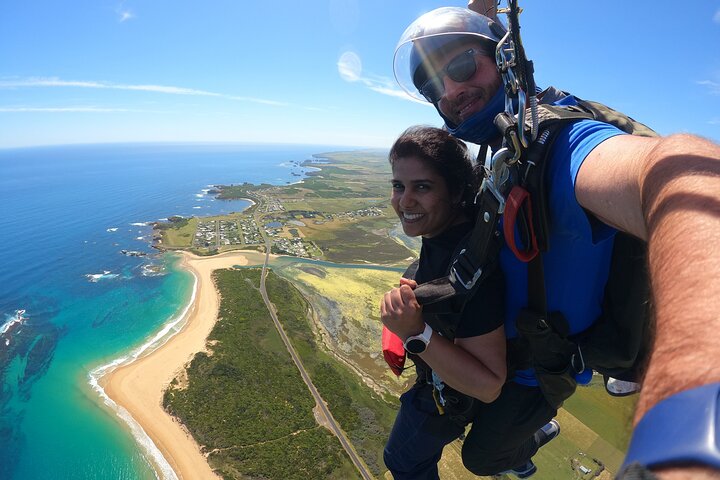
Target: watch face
pixel 415 345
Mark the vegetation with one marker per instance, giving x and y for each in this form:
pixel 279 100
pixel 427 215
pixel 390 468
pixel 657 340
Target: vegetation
pixel 177 234
pixel 244 400
pixel 345 302
pixel 610 417
pixel 245 190
pixel 364 415
pixel 287 458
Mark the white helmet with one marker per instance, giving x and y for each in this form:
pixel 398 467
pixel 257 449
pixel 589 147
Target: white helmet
pixel 439 29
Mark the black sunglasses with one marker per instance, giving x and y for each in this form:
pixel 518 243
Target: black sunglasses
pixel 459 69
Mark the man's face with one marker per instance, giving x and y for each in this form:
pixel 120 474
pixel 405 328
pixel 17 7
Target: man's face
pixel 462 99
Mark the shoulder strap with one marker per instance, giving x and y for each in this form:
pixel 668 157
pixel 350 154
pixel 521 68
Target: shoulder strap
pixel 472 264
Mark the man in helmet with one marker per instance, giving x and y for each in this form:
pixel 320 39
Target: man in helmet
pixel 663 190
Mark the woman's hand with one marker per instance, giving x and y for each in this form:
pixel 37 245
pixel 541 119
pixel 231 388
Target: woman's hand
pixel 475 366
pixel 400 311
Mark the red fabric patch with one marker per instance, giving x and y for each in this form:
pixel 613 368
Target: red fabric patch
pixel 393 351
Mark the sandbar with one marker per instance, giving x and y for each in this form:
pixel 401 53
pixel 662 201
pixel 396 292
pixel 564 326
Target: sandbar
pixel 139 386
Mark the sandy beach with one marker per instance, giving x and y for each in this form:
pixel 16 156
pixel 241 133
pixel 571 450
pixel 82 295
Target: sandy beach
pixel 139 386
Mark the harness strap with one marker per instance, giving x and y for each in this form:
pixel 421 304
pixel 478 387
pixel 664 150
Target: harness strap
pixel 518 201
pixel 472 264
pixel 537 299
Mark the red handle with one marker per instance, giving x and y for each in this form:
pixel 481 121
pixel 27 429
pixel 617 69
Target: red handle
pixel 518 196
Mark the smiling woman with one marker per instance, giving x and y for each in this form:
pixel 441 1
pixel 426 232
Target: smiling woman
pixel 460 357
pixel 430 184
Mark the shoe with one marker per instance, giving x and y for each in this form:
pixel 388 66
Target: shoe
pixel 544 434
pixel 621 388
pixel 524 471
pixel 547 432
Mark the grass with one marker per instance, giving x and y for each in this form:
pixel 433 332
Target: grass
pixel 245 402
pixel 346 302
pixel 610 417
pixel 363 414
pixel 356 243
pixel 246 405
pixel 179 237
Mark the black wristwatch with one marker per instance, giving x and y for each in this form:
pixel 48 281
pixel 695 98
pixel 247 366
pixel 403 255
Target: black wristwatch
pixel 417 344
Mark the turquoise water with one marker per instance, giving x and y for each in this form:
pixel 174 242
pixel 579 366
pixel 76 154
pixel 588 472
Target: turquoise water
pixel 66 214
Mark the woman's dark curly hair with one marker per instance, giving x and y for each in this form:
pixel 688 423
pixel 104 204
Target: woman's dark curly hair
pixel 445 154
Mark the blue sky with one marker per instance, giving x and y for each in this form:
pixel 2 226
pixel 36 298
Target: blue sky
pixel 253 71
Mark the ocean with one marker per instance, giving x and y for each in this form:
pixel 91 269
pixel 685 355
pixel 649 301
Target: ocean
pixel 67 212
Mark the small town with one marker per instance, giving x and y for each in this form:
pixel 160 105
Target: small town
pixel 286 240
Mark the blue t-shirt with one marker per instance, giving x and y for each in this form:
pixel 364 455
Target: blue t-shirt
pixel 577 264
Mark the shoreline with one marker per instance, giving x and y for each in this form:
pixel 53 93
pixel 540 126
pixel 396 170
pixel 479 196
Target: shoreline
pixel 135 384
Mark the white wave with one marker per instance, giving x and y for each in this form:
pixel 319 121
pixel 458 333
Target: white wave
pixel 199 195
pixel 17 318
pixel 139 238
pixel 162 467
pixel 152 270
pixel 96 277
pixel 168 331
pixel 112 229
pixel 196 208
pixel 139 224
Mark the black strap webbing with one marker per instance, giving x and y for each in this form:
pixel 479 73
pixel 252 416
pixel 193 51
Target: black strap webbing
pixel 471 265
pixel 537 298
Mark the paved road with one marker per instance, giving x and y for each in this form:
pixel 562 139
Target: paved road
pixel 321 405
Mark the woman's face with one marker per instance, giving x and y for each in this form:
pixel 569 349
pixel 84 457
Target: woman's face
pixel 421 199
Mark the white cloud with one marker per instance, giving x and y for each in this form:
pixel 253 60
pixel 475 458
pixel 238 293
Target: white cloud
pixel 349 67
pixel 716 17
pixel 258 100
pixel 164 89
pixel 126 15
pixel 63 109
pixel 388 87
pixel 713 86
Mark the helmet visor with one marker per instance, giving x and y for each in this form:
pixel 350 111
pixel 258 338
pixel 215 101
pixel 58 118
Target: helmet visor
pixel 434 33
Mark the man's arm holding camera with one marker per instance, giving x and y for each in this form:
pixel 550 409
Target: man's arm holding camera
pixel 667 191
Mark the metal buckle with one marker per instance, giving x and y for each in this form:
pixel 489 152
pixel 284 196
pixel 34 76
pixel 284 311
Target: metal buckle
pixel 582 361
pixel 490 185
pixel 455 276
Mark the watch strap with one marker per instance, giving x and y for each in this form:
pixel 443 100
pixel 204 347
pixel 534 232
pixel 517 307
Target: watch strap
pixel 683 428
pixel 425 336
